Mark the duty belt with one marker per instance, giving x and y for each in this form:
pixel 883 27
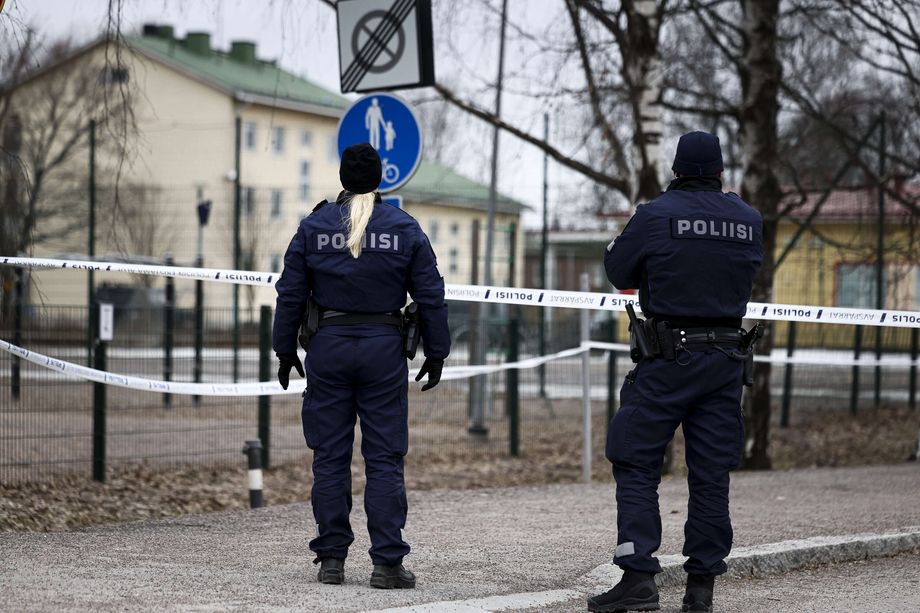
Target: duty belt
pixel 668 342
pixel 655 338
pixel 340 318
pixel 700 339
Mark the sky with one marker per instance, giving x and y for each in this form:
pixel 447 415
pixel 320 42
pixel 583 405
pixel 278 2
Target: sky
pixel 301 35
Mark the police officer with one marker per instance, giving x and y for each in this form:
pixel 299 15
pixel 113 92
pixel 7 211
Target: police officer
pixel 356 258
pixel 692 253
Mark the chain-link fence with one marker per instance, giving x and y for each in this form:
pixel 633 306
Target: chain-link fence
pixel 47 419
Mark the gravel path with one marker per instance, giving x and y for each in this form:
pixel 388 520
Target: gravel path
pixel 466 544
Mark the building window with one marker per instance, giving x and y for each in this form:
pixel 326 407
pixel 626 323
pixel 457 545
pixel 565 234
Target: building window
pixel 278 139
pixel 306 138
pixel 433 232
pixel 856 285
pixel 275 263
pixel 113 75
pixel 453 266
pixel 455 229
pixel 304 185
pixel 249 202
pixel 276 203
pixel 246 260
pixel 332 148
pixel 249 135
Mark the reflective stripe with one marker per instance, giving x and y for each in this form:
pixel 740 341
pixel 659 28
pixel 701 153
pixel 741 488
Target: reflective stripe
pixel 624 549
pixel 255 479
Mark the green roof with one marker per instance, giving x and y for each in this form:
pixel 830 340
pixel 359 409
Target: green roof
pixel 432 182
pixel 438 184
pixel 257 77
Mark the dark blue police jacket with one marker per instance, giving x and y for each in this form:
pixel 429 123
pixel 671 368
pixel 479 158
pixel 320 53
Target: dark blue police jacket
pixel 396 257
pixel 692 253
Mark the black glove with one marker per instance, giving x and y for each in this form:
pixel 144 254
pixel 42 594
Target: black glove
pixel 288 361
pixel 433 368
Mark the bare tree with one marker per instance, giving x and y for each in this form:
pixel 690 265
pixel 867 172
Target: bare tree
pixel 45 114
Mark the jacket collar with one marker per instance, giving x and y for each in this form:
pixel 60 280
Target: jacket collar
pixel 696 184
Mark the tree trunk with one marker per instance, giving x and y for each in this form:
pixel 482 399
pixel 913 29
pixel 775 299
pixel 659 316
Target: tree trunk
pixel 643 73
pixel 9 206
pixel 760 80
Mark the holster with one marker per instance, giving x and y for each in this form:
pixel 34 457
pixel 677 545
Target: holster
pixel 411 330
pixel 639 345
pixel 310 324
pixel 750 339
pixel 748 376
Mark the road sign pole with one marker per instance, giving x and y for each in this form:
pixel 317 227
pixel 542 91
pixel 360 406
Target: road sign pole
pixel 480 399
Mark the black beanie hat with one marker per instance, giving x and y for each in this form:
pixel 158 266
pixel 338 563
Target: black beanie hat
pixel 360 171
pixel 698 155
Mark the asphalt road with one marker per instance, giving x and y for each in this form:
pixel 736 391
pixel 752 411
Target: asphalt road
pixel 466 544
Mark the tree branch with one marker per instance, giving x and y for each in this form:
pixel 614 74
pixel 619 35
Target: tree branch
pixel 618 183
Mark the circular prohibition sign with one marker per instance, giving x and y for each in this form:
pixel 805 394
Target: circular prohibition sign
pixel 366 28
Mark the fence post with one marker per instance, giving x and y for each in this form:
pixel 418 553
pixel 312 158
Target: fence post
pixel 265 357
pixel 512 404
pixel 787 377
pixel 169 318
pixel 15 377
pixel 478 345
pixel 877 392
pixel 99 412
pixel 612 368
pixel 585 388
pixel 252 451
pixel 854 385
pixel 199 327
pixel 914 338
pixel 93 325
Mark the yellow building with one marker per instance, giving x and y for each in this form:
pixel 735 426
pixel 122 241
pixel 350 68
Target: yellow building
pixel 186 99
pixel 834 260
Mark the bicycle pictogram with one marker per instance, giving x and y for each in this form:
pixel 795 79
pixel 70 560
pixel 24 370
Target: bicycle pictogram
pixel 390 172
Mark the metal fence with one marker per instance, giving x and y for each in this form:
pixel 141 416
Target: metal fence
pixel 47 419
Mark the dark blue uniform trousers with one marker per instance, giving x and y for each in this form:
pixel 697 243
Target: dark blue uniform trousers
pixel 357 371
pixel 703 395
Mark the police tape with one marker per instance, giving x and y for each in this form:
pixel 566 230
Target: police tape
pixel 451 373
pixel 500 295
pixel 263 388
pixel 260 388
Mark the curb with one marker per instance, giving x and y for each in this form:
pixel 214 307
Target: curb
pixel 775 558
pixel 755 561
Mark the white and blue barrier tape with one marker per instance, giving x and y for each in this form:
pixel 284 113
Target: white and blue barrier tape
pixel 501 295
pixel 451 373
pixel 255 388
pixel 471 293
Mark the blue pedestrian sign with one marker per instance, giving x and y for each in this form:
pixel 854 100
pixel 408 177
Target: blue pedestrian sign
pixel 388 123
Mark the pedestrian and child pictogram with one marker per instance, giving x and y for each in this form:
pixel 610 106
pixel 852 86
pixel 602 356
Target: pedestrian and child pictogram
pixel 389 124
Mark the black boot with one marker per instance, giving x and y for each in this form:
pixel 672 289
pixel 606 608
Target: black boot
pixel 389 577
pixel 331 570
pixel 635 592
pixel 698 597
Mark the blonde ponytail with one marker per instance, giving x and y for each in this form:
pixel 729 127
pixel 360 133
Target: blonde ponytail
pixel 360 208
